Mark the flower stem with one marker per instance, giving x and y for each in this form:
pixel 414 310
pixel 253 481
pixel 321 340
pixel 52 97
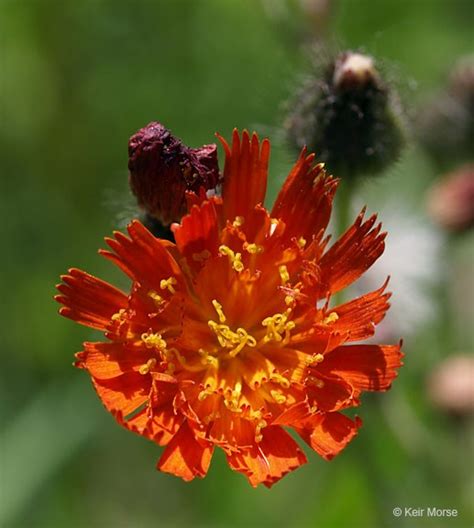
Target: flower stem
pixel 343 217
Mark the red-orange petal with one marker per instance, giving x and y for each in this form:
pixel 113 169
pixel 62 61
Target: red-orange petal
pixel 271 459
pixel 185 456
pixel 328 434
pixel 124 394
pixel 305 200
pixel 358 248
pixel 143 257
pixel 110 360
pixel 197 237
pixel 358 318
pixel 245 174
pixel 330 393
pixel 89 300
pixel 365 367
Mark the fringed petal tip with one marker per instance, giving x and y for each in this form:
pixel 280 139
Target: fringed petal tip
pixel 185 456
pixel 330 433
pixel 270 460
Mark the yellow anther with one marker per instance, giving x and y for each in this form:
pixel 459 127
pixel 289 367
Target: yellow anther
pixel 331 318
pixel 157 298
pixel 232 405
pixel 208 359
pixel 238 388
pixel 200 257
pixel 153 340
pixel 239 221
pixel 258 430
pixel 289 300
pixel 204 394
pixel 281 380
pixel 276 325
pixel 167 284
pixel 119 316
pixel 145 369
pixel 313 409
pixel 285 276
pixel 229 339
pixel 253 249
pixel 244 340
pixel 301 242
pixel 278 396
pixel 177 354
pixel 235 258
pixel 317 358
pixel 218 307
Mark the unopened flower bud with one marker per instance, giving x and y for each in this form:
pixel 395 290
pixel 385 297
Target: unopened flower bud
pixel 446 123
pixel 451 200
pixel 451 387
pixel 162 169
pixel 348 115
pixel 354 71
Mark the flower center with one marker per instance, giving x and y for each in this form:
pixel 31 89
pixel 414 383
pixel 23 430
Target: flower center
pixel 227 338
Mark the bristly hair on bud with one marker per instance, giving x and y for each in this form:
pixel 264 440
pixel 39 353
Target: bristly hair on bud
pixel 162 170
pixel 349 115
pixel 446 123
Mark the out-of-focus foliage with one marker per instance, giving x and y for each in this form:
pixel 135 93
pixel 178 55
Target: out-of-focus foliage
pixel 76 80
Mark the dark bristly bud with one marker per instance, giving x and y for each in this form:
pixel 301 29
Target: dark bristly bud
pixel 162 169
pixel 451 200
pixel 347 114
pixel 446 123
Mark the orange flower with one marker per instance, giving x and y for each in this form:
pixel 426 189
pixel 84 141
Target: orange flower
pixel 221 341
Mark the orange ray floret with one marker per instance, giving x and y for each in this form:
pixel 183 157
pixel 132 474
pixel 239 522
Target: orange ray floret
pixel 227 337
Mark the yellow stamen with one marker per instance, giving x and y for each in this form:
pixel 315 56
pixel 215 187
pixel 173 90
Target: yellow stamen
pixel 229 339
pixel 119 316
pixel 152 340
pixel 276 325
pixel 218 307
pixel 232 403
pixel 208 359
pixel 278 396
pixel 317 358
pixel 204 394
pixel 278 378
pixel 239 221
pixel 168 284
pixel 157 298
pixel 258 430
pixel 253 249
pixel 235 258
pixel 145 369
pixel 285 276
pixel 331 318
pixel 301 242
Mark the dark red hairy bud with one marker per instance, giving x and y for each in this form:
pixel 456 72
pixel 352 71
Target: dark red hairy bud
pixel 162 169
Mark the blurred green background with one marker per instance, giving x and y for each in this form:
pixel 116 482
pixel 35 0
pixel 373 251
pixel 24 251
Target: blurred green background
pixel 76 80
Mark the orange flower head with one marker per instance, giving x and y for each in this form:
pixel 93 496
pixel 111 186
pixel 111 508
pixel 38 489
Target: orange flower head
pixel 228 337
